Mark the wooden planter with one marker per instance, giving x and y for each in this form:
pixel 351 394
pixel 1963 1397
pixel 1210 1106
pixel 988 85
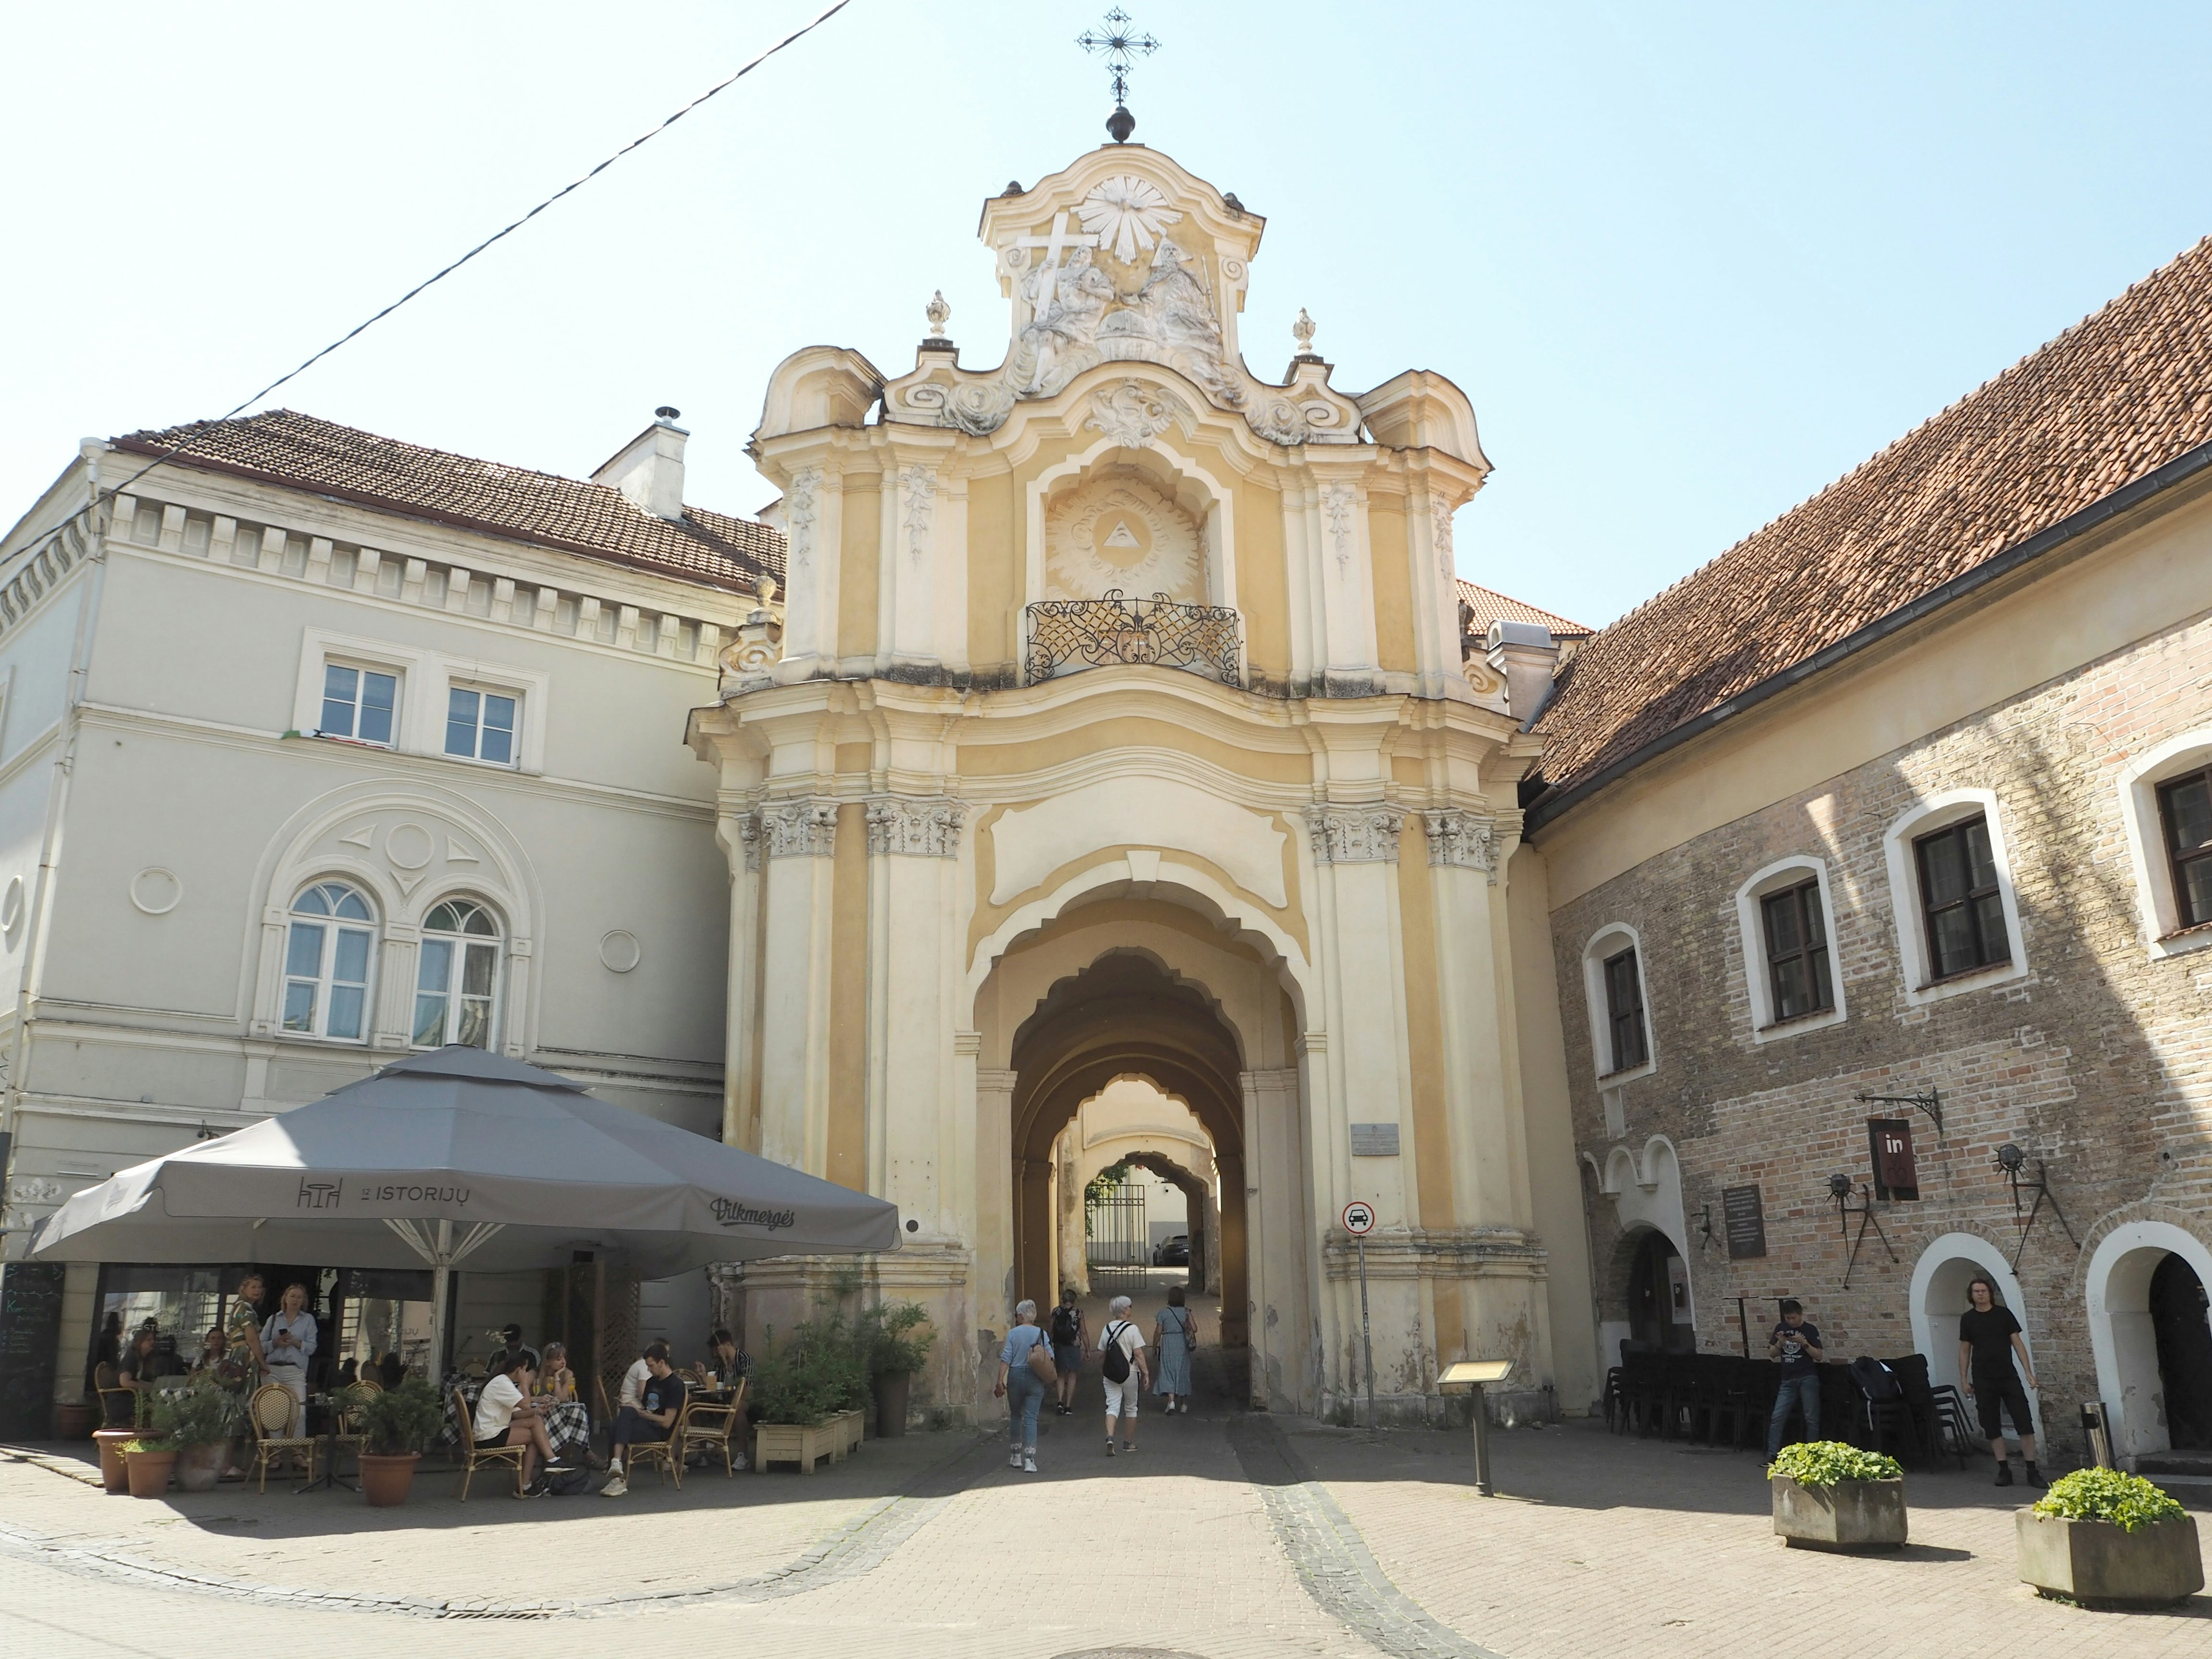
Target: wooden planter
pixel 846 1430
pixel 150 1472
pixel 199 1467
pixel 2100 1564
pixel 803 1444
pixel 386 1481
pixel 114 1474
pixel 1851 1515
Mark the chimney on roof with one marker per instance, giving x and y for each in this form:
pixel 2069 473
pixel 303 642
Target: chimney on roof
pixel 649 469
pixel 1525 653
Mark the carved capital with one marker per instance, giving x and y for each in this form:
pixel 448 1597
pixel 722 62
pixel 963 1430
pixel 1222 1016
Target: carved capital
pixel 1354 835
pixel 928 828
pixel 1461 840
pixel 800 828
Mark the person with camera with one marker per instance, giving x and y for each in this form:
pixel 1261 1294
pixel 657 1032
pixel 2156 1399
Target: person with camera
pixel 1796 1344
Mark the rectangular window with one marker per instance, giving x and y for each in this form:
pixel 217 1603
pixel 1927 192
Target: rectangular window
pixel 1797 952
pixel 2185 812
pixel 480 726
pixel 1624 1010
pixel 358 703
pixel 1896 1174
pixel 1959 898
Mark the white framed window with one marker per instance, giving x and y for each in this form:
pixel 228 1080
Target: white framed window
pixel 1951 889
pixel 2166 804
pixel 360 704
pixel 330 951
pixel 482 725
pixel 457 976
pixel 1787 920
pixel 1614 986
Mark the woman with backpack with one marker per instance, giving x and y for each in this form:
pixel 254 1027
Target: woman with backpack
pixel 1021 1383
pixel 1068 1339
pixel 1174 1334
pixel 1121 1362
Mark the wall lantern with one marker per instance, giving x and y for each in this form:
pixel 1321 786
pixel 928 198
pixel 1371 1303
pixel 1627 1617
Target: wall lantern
pixel 1839 1188
pixel 2012 1161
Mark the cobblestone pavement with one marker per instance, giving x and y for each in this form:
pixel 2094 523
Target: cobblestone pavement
pixel 1226 1537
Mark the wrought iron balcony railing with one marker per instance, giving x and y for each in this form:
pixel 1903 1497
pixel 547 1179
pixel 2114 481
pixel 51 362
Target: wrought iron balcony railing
pixel 1069 635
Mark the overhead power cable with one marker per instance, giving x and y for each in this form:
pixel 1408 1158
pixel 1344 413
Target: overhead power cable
pixel 574 184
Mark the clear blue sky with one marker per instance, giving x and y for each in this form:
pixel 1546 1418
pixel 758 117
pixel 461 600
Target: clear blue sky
pixel 1690 262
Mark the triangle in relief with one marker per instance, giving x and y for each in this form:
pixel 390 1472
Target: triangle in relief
pixel 1122 536
pixel 457 853
pixel 361 838
pixel 407 884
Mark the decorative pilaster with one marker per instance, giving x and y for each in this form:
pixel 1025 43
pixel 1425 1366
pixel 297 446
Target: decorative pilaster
pixel 928 828
pixel 1354 835
pixel 748 840
pixel 806 828
pixel 1459 841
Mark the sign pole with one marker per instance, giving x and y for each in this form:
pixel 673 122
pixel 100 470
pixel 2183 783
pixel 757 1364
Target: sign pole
pixel 1366 1341
pixel 1482 1486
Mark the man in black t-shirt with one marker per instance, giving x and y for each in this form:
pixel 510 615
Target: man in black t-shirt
pixel 1989 1336
pixel 1796 1344
pixel 660 1402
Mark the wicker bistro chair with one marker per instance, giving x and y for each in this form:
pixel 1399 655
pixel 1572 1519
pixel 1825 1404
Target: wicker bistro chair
pixel 475 1457
pixel 269 1412
pixel 710 1428
pixel 666 1454
pixel 119 1406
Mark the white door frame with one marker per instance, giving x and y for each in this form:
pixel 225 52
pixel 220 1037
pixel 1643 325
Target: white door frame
pixel 2120 1334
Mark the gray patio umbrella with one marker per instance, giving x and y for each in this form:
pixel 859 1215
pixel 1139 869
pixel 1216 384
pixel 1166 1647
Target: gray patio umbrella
pixel 460 1155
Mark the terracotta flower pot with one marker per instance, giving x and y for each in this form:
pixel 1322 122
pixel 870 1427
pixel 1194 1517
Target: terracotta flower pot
pixel 386 1481
pixel 114 1474
pixel 198 1467
pixel 73 1421
pixel 150 1472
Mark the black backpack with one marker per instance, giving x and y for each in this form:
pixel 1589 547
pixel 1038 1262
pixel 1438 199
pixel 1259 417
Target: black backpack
pixel 1063 1327
pixel 1875 1380
pixel 1114 1359
pixel 568 1483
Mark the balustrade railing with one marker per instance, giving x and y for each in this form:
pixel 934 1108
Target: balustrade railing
pixel 1069 635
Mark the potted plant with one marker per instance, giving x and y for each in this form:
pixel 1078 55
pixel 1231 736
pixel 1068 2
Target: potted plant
pixel 151 1461
pixel 2105 1538
pixel 897 1343
pixel 812 1379
pixel 395 1425
pixel 198 1422
pixel 1831 1496
pixel 74 1420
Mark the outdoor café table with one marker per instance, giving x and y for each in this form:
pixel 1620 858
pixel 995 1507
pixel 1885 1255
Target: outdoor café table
pixel 329 1477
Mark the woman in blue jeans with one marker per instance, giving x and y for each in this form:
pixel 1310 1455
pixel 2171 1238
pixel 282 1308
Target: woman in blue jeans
pixel 1023 1390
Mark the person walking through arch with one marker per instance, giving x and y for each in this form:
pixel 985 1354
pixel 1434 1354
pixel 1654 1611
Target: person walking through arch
pixel 1989 1336
pixel 1067 1342
pixel 1175 1336
pixel 1121 1362
pixel 1021 1388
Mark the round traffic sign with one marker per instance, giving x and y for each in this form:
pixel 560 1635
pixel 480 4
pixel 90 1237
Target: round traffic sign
pixel 1358 1219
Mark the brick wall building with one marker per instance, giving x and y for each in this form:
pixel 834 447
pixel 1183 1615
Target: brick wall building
pixel 2001 621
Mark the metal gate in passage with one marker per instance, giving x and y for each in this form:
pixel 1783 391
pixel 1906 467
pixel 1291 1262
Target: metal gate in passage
pixel 1115 1236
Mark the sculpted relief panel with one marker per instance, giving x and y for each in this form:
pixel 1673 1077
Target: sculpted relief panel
pixel 1117 532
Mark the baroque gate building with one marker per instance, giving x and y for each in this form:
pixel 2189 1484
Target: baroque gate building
pixel 1121 725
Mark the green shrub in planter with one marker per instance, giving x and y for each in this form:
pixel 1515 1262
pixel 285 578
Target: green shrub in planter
pixel 817 1372
pixel 2123 1500
pixel 201 1413
pixel 394 1422
pixel 1828 1462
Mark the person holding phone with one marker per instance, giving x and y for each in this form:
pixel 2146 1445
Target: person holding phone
pixel 1796 1344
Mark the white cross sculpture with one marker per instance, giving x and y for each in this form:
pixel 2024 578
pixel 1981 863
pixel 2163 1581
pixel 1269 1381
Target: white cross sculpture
pixel 1062 237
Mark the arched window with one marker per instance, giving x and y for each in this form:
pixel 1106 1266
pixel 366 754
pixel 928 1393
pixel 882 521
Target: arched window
pixel 457 976
pixel 327 955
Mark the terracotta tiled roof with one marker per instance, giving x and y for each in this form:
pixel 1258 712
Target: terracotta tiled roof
pixel 2113 398
pixel 1490 605
pixel 320 456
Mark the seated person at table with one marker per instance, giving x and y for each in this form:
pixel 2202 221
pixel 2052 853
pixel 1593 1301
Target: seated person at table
pixel 504 1418
pixel 141 1361
pixel 516 1348
pixel 556 1382
pixel 214 1348
pixel 726 1361
pixel 660 1402
pixel 391 1368
pixel 635 1378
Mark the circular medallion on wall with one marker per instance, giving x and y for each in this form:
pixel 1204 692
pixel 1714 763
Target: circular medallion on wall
pixel 1116 531
pixel 11 911
pixel 155 891
pixel 620 951
pixel 409 846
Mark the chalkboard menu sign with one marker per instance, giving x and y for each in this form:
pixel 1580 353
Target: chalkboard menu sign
pixel 30 1327
pixel 1744 1216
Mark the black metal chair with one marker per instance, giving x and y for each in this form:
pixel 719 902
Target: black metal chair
pixel 1642 1392
pixel 1615 1400
pixel 1954 1427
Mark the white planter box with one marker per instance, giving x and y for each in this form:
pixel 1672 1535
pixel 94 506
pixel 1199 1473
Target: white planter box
pixel 1851 1515
pixel 2100 1565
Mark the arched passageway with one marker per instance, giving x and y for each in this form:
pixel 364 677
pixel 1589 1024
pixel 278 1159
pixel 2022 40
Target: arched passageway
pixel 2148 1326
pixel 1657 1294
pixel 1124 1016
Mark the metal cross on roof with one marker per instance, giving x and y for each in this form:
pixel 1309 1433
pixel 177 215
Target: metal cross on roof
pixel 1114 37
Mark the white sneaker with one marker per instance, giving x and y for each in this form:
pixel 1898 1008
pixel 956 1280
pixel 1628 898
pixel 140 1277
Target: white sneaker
pixel 617 1487
pixel 1028 1466
pixel 1013 1460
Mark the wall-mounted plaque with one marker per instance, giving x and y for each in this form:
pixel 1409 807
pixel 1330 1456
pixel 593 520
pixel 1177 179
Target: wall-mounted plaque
pixel 1375 1140
pixel 1745 1220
